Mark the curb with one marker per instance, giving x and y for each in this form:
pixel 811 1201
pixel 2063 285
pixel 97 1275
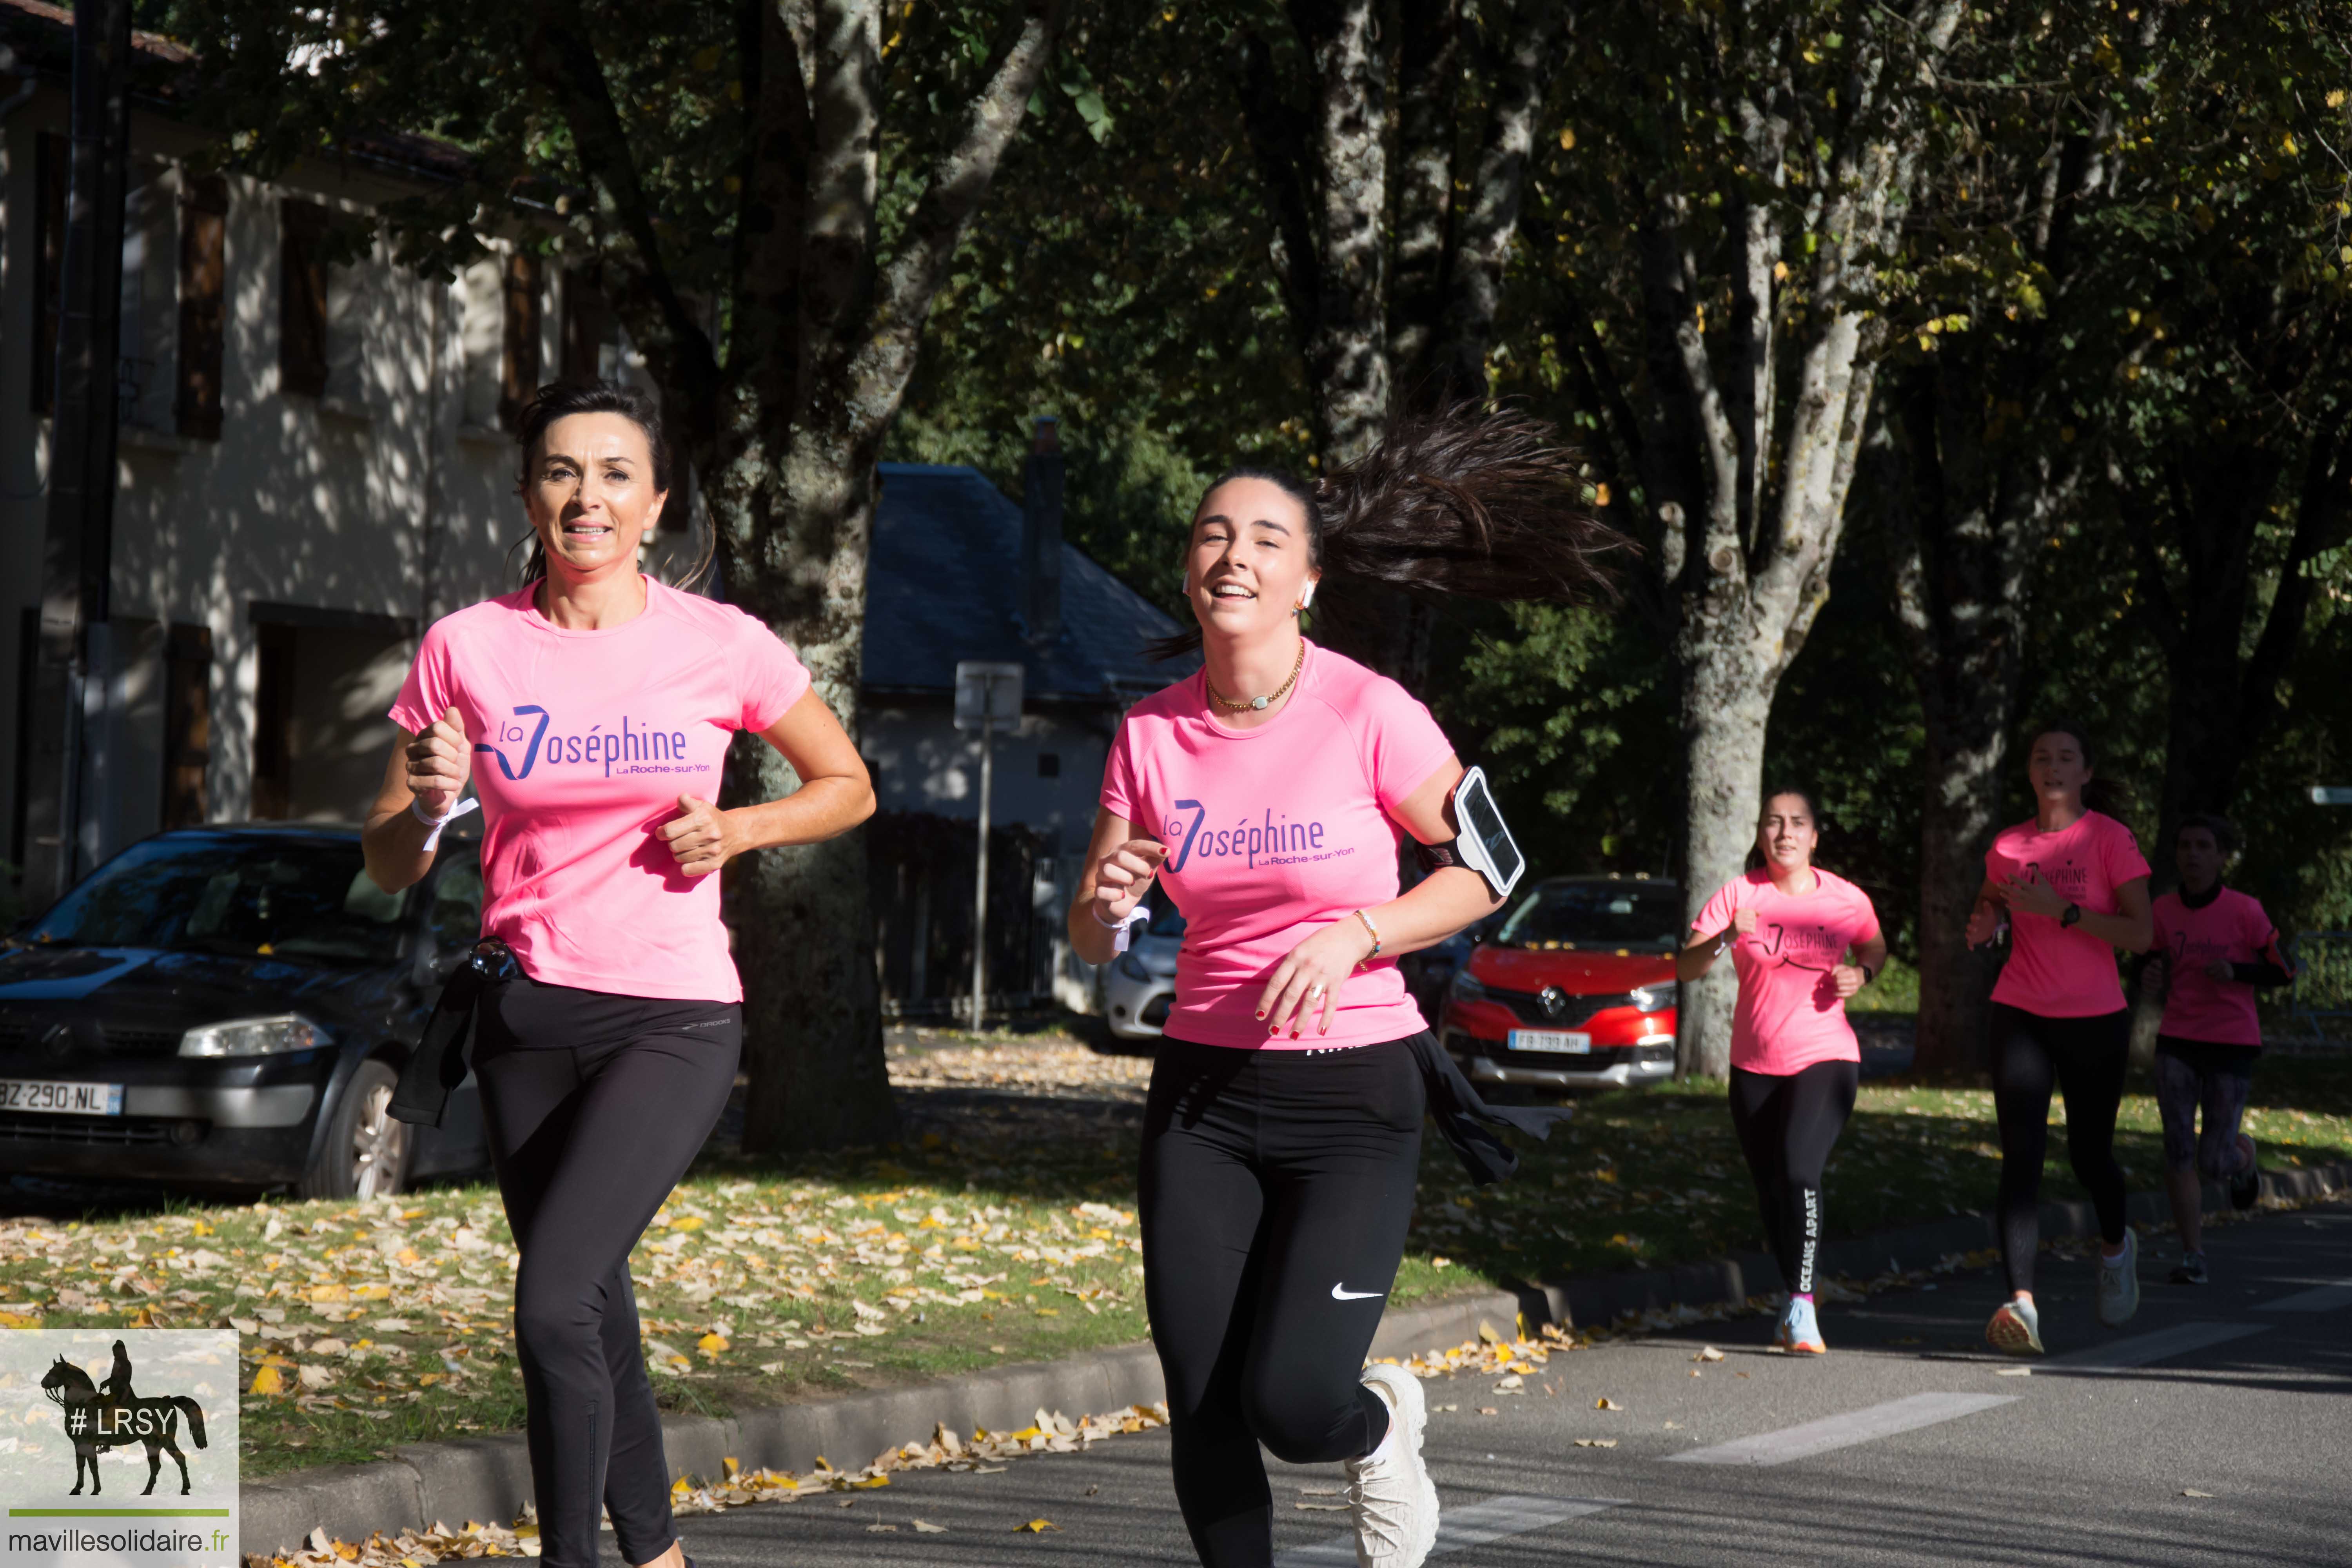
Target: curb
pixel 488 1478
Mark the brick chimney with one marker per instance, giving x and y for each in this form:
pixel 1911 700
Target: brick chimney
pixel 1041 533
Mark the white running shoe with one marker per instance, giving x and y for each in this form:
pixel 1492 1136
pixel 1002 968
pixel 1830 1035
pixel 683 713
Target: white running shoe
pixel 2119 1282
pixel 1801 1330
pixel 2015 1328
pixel 1391 1495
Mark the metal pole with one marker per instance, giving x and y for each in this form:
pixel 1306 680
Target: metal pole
pixel 979 896
pixel 76 551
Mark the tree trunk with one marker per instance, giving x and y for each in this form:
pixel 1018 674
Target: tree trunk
pixel 1965 521
pixel 1727 704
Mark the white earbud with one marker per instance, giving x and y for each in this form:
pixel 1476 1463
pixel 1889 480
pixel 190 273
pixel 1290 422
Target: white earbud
pixel 1307 594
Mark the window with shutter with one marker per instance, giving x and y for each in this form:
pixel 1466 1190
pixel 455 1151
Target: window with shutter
pixel 520 377
pixel 302 298
pixel 187 723
pixel 204 287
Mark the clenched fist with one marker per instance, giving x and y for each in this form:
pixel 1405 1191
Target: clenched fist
pixel 699 837
pixel 440 761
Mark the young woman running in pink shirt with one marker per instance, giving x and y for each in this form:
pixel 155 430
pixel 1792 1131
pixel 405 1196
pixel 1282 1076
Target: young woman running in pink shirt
pixel 2074 888
pixel 592 710
pixel 2214 946
pixel 1795 1063
pixel 1271 792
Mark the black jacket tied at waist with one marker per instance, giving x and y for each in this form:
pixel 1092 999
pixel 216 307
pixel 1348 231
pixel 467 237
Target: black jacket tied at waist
pixel 438 1064
pixel 1466 1120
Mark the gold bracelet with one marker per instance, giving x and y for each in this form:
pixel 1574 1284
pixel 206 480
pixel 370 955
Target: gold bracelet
pixel 1376 938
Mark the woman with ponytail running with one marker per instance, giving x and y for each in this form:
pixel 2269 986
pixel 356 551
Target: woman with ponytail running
pixel 2215 946
pixel 1270 792
pixel 1795 1062
pixel 592 709
pixel 2073 888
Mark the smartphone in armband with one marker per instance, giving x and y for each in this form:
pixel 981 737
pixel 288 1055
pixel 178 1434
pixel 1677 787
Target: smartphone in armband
pixel 1486 844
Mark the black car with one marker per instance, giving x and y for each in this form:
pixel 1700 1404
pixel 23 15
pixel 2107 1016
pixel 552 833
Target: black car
pixel 230 1007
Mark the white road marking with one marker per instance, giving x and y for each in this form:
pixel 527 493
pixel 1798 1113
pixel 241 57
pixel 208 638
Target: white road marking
pixel 1459 1529
pixel 2319 1299
pixel 2141 1350
pixel 1844 1431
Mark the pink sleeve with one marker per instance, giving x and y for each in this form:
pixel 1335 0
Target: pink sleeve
pixel 1868 927
pixel 1402 743
pixel 1719 909
pixel 771 675
pixel 2125 862
pixel 429 692
pixel 1118 791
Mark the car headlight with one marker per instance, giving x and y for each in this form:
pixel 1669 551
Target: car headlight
pixel 269 1037
pixel 1130 963
pixel 1657 998
pixel 1466 989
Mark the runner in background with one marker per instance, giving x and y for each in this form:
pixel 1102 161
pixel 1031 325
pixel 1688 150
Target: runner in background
pixel 1795 1062
pixel 2073 888
pixel 2215 946
pixel 1271 792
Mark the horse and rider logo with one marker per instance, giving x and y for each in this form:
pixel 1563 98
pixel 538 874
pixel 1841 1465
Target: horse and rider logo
pixel 112 1414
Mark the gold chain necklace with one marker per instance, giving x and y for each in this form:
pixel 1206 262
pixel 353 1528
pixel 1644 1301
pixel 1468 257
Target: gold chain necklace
pixel 1245 704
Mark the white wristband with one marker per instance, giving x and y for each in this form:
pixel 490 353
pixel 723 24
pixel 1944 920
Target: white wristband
pixel 1122 931
pixel 433 839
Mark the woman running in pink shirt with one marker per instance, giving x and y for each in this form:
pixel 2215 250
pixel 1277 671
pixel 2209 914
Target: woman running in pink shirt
pixel 1271 792
pixel 2074 888
pixel 2215 946
pixel 1795 1063
pixel 592 709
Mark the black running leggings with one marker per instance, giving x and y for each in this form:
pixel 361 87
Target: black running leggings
pixel 1276 1186
pixel 595 1106
pixel 1788 1123
pixel 2084 1058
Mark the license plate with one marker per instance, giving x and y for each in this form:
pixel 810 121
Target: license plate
pixel 63 1099
pixel 1561 1042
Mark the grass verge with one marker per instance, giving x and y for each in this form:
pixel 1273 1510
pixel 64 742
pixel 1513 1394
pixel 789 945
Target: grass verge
pixel 365 1326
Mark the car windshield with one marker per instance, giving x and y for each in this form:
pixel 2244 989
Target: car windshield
pixel 1596 914
pixel 208 893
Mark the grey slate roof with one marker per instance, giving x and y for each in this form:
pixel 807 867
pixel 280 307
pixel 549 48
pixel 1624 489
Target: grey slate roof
pixel 942 584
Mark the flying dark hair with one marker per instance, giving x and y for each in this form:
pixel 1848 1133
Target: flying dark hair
pixel 1764 802
pixel 1483 504
pixel 561 399
pixel 2106 796
pixel 2225 831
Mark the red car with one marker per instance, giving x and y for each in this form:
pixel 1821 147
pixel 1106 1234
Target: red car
pixel 1575 990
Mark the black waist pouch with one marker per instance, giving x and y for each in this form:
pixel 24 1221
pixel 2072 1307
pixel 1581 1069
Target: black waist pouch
pixel 438 1063
pixel 1466 1121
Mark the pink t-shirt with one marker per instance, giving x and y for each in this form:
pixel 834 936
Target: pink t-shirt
pixel 583 743
pixel 2063 971
pixel 2233 929
pixel 1789 1015
pixel 1274 834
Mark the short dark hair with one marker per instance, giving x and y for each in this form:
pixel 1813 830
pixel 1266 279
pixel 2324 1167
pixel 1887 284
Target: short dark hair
pixel 2224 831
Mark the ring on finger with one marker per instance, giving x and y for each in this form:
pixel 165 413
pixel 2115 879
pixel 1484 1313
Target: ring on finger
pixel 1316 994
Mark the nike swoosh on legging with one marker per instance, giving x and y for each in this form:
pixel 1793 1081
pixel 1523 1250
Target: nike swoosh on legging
pixel 1341 1294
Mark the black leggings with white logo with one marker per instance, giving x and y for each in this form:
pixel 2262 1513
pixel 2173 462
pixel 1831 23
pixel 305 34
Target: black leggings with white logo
pixel 1788 1123
pixel 595 1106
pixel 1276 1187
pixel 2084 1060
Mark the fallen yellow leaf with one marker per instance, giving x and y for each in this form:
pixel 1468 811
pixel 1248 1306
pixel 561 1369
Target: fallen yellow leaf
pixel 330 1293
pixel 1605 1403
pixel 266 1381
pixel 712 1343
pixel 1036 1527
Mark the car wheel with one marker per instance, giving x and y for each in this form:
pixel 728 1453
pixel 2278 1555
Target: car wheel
pixel 366 1153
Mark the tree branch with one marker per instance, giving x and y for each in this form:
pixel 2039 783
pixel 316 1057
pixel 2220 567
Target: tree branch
pixel 2323 520
pixel 958 181
pixel 1482 247
pixel 565 65
pixel 1429 65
